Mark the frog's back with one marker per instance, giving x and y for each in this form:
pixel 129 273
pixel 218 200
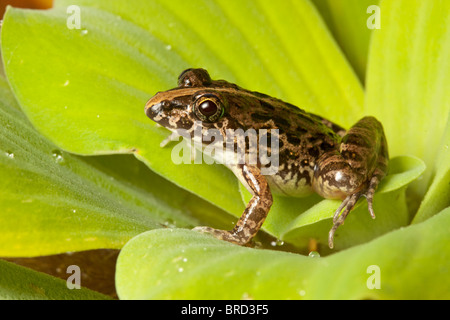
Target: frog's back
pixel 303 138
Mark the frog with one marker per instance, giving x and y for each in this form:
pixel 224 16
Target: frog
pixel 314 153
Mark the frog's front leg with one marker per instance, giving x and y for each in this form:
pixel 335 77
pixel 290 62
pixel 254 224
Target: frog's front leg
pixel 256 211
pixel 354 170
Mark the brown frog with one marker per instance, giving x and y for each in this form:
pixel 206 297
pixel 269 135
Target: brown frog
pixel 313 153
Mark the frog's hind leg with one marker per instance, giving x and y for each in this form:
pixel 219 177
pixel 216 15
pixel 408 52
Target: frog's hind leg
pixel 378 174
pixel 256 211
pixel 354 171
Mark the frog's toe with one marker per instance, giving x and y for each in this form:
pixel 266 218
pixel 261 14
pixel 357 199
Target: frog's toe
pixel 221 235
pixel 339 210
pixel 216 233
pixel 208 230
pixel 373 184
pixel 339 217
pixel 369 198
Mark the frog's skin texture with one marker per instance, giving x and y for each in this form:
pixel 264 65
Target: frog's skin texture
pixel 314 153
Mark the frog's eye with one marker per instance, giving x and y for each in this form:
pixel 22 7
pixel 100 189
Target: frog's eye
pixel 208 108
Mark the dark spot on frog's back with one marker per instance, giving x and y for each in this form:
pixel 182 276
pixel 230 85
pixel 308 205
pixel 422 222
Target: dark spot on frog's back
pixel 314 152
pixel 258 117
pixel 327 145
pixel 281 122
pixel 267 106
pixel 294 140
pixel 301 130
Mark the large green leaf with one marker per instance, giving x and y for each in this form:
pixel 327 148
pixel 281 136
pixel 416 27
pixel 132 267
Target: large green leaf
pixel 407 82
pixel 88 96
pixel 19 283
pixel 181 264
pixel 51 201
pixel 347 21
pixel 85 90
pixel 99 102
pixel 437 197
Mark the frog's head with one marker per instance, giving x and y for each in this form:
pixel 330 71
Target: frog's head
pixel 195 99
pixel 212 111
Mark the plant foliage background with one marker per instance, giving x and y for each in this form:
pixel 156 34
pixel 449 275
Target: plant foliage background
pixel 71 94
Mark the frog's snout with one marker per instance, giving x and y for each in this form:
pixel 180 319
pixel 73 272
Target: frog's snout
pixel 156 110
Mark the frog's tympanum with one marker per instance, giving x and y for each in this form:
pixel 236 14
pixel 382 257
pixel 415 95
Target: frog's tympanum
pixel 314 153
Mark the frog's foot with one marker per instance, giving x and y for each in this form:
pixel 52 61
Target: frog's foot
pixel 338 218
pixel 222 235
pixel 349 203
pixel 371 191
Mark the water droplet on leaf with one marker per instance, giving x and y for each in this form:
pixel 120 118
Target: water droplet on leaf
pixel 277 243
pixel 9 154
pixel 57 156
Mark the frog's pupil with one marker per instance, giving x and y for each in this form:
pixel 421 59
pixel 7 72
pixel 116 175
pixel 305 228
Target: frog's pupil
pixel 208 108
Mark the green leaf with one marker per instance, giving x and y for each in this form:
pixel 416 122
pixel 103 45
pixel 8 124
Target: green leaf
pixel 2 70
pixel 347 21
pixel 437 197
pixel 182 264
pixel 51 201
pixel 20 283
pixel 89 95
pixel 85 90
pixel 407 83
